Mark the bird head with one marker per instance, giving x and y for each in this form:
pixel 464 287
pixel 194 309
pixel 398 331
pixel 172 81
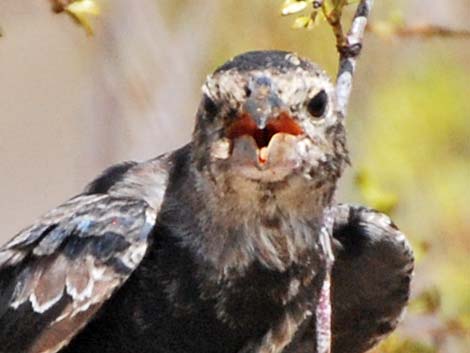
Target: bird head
pixel 267 116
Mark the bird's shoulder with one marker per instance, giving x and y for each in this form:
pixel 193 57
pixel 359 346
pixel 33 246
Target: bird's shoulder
pixel 57 273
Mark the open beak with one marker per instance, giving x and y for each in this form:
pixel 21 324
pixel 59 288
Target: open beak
pixel 264 116
pixel 246 125
pixel 263 136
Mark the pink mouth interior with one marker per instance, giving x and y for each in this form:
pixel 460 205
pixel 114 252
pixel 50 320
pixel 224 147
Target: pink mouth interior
pixel 245 125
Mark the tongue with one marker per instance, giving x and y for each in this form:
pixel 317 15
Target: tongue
pixel 263 155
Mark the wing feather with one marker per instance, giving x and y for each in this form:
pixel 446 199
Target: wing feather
pixel 56 274
pixel 370 280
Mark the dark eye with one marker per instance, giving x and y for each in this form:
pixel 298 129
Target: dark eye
pixel 247 92
pixel 210 107
pixel 317 105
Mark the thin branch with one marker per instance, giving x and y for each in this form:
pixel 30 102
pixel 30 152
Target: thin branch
pixel 60 5
pixel 334 19
pixel 349 51
pixel 385 29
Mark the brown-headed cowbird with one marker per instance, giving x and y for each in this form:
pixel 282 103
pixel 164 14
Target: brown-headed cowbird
pixel 224 245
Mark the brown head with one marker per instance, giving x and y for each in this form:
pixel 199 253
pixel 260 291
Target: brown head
pixel 269 117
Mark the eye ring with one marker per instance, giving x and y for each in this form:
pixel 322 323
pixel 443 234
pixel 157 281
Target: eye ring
pixel 317 105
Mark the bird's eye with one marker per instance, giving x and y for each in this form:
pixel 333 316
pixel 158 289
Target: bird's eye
pixel 247 92
pixel 210 107
pixel 317 105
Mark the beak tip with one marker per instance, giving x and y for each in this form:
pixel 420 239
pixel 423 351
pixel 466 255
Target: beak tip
pixel 261 123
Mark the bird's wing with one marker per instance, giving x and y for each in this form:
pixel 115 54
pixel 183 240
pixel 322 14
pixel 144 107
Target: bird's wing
pixel 370 280
pixel 56 274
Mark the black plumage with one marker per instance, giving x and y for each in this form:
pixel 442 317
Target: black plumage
pixel 221 246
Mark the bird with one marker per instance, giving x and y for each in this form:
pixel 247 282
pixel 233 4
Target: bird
pixel 223 245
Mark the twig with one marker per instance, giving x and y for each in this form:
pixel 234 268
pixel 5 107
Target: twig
pixel 334 19
pixel 349 47
pixel 60 5
pixel 349 50
pixel 421 31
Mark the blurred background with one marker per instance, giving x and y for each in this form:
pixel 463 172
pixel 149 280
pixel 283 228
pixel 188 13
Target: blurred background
pixel 72 105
